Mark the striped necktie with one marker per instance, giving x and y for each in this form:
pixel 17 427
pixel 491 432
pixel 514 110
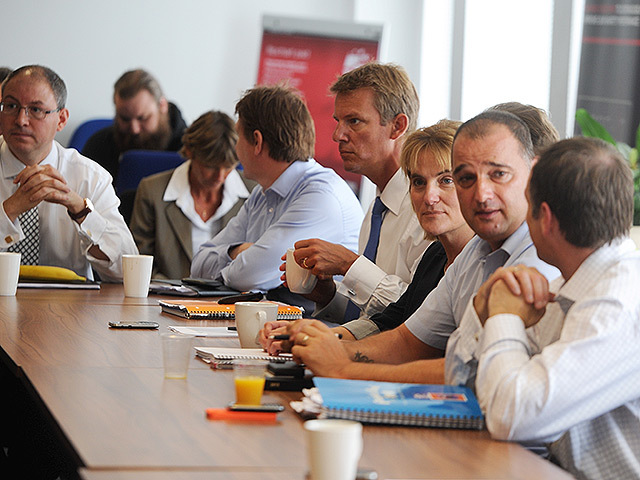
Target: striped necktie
pixel 370 250
pixel 29 246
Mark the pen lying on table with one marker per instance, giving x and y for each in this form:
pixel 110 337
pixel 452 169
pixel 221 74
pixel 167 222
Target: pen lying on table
pixel 286 337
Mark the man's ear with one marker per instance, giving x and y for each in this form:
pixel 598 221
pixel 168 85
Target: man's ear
pixel 399 125
pixel 549 222
pixel 63 117
pixel 257 142
pixel 163 105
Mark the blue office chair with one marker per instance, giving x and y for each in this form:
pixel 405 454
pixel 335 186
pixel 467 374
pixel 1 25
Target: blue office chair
pixel 85 130
pixel 137 164
pixel 134 166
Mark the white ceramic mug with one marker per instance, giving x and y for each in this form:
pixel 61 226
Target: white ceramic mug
pixel 9 273
pixel 299 280
pixel 334 448
pixel 250 318
pixel 136 271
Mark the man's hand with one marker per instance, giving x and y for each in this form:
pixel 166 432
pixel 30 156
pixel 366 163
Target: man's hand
pixel 318 347
pixel 238 249
pixel 323 258
pixel 503 300
pixel 522 281
pixel 273 347
pixel 37 184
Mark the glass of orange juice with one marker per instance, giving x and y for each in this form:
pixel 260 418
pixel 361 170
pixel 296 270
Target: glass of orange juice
pixel 249 381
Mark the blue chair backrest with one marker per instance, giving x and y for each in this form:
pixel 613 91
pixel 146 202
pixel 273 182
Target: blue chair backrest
pixel 85 130
pixel 137 164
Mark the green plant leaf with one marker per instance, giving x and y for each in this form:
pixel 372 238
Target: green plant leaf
pixel 624 149
pixel 633 158
pixel 591 127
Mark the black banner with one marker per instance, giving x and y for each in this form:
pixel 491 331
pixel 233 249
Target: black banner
pixel 609 84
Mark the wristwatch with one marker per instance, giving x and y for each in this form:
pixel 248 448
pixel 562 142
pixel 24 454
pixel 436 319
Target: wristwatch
pixel 88 208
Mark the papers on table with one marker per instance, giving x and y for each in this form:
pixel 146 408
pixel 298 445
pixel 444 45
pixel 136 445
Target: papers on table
pixel 212 332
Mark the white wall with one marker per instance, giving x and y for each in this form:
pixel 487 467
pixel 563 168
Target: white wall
pixel 204 52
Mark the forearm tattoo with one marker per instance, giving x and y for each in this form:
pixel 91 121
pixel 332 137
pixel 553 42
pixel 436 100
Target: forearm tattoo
pixel 360 357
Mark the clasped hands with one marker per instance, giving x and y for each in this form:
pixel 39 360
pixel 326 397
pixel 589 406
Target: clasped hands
pixel 41 183
pixel 519 290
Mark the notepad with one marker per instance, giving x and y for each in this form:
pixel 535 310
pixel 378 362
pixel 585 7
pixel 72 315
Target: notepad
pixel 211 332
pixel 409 404
pixel 219 353
pixel 214 311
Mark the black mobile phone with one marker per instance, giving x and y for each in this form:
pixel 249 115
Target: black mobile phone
pixel 265 407
pixel 139 324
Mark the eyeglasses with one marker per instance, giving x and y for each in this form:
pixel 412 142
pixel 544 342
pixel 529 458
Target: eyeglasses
pixel 11 109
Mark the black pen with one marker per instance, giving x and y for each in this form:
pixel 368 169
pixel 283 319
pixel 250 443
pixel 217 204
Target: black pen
pixel 286 337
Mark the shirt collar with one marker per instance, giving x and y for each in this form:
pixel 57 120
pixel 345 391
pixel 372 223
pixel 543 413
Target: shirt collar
pixel 178 189
pixel 178 183
pixel 289 178
pixel 11 166
pixel 394 192
pixel 510 245
pixel 594 266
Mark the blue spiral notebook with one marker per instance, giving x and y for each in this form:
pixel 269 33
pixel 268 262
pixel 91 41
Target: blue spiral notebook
pixel 409 404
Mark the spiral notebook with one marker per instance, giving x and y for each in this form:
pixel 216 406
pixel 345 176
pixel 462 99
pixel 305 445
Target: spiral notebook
pixel 409 404
pixel 219 353
pixel 197 309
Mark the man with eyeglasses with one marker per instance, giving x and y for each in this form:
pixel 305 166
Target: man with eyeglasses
pixel 144 120
pixel 58 207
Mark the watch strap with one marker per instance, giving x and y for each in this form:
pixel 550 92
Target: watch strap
pixel 85 211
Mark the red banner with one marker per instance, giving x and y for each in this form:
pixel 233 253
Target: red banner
pixel 311 64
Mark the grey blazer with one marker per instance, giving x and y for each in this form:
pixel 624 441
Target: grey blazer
pixel 162 230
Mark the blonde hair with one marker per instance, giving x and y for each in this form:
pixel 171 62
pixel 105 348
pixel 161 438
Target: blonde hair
pixel 437 139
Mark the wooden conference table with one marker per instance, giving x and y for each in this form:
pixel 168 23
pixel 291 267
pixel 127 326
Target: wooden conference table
pixel 105 394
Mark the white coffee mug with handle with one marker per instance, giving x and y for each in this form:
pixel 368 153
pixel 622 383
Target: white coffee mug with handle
pixel 299 280
pixel 250 318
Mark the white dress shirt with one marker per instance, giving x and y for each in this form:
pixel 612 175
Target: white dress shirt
pixel 64 243
pixel 573 378
pixel 178 190
pixel 373 286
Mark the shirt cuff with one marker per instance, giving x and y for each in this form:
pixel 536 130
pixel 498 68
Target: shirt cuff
pixel 361 327
pixel 92 227
pixel 362 279
pixel 503 327
pixel 11 231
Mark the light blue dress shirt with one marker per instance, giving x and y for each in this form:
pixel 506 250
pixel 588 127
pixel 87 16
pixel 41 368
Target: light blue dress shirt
pixel 306 201
pixel 442 310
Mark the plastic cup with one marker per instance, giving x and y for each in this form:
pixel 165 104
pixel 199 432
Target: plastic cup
pixel 136 271
pixel 249 381
pixel 176 352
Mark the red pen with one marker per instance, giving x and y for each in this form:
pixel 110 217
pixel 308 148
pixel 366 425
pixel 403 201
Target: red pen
pixel 226 414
